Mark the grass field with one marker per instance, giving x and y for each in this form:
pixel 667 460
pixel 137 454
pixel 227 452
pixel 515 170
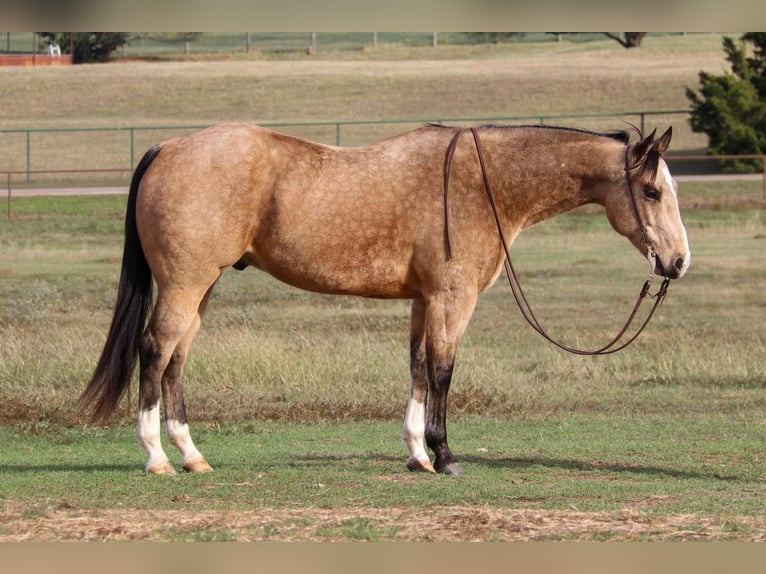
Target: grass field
pixel 297 399
pixel 575 478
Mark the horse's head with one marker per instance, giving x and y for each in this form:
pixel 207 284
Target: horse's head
pixel 647 211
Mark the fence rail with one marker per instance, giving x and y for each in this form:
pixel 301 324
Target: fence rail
pixel 9 174
pixel 338 126
pixel 9 177
pixel 725 157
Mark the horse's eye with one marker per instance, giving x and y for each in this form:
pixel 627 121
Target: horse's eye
pixel 652 193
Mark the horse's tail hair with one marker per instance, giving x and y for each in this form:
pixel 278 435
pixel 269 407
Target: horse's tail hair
pixel 115 367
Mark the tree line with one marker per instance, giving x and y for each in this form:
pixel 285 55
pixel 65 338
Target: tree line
pixel 87 47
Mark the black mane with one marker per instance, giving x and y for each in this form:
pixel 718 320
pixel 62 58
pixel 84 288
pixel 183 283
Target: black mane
pixel 621 136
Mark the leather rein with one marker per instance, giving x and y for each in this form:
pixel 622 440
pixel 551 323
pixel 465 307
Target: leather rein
pixel 616 343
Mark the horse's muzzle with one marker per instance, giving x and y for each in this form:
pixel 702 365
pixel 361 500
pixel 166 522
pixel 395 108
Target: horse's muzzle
pixel 674 271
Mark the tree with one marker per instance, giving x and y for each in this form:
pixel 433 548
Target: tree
pixel 87 46
pixel 628 39
pixel 731 108
pixel 625 39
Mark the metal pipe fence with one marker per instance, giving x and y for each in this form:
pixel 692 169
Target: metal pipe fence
pixel 337 132
pixel 9 178
pixel 9 174
pixel 339 129
pixel 725 157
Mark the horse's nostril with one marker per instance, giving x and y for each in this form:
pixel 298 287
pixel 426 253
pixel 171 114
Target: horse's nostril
pixel 680 263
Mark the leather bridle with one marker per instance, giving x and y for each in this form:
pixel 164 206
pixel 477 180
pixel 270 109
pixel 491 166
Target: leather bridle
pixel 616 343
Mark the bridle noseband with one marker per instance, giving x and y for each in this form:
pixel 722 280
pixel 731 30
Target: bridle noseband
pixel 616 343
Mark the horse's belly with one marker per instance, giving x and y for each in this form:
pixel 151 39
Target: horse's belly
pixel 349 243
pixel 386 277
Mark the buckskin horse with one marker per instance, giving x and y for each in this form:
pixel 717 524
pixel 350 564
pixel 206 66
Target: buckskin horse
pixel 407 217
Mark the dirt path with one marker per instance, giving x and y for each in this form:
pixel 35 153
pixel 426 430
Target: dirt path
pixel 50 191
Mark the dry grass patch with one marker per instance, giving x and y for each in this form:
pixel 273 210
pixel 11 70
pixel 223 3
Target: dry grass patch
pixel 464 524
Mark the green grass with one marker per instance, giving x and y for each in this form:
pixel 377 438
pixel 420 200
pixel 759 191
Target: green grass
pixel 659 465
pixel 297 399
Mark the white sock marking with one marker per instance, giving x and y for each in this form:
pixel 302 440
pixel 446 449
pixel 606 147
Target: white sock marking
pixel 180 437
pixel 414 429
pixel 149 436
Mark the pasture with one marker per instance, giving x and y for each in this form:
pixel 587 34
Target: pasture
pixel 297 399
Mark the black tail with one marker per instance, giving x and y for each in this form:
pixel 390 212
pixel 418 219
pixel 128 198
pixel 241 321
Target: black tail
pixel 114 371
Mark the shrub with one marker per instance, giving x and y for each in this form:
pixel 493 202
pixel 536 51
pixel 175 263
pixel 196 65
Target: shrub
pixel 731 108
pixel 87 46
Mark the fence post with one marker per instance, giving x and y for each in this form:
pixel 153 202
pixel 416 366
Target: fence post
pixel 132 147
pixel 10 211
pixel 29 156
pixel 337 134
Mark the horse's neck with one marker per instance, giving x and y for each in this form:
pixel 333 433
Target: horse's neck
pixel 538 181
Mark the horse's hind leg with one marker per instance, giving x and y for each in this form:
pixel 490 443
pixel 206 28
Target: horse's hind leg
pixel 174 322
pixel 173 399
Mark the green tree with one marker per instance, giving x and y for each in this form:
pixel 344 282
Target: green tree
pixel 731 108
pixel 86 46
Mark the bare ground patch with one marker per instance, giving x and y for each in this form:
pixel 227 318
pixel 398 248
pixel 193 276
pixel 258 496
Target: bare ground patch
pixel 469 523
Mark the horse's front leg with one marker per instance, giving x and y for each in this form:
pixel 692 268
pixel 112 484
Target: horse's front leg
pixel 446 320
pixel 439 379
pixel 415 419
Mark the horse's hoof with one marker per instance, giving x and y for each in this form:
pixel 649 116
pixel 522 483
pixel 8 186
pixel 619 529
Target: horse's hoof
pixel 163 468
pixel 198 466
pixel 415 465
pixel 453 469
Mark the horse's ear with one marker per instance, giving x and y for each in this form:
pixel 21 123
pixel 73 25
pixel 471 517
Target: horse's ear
pixel 662 144
pixel 638 151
